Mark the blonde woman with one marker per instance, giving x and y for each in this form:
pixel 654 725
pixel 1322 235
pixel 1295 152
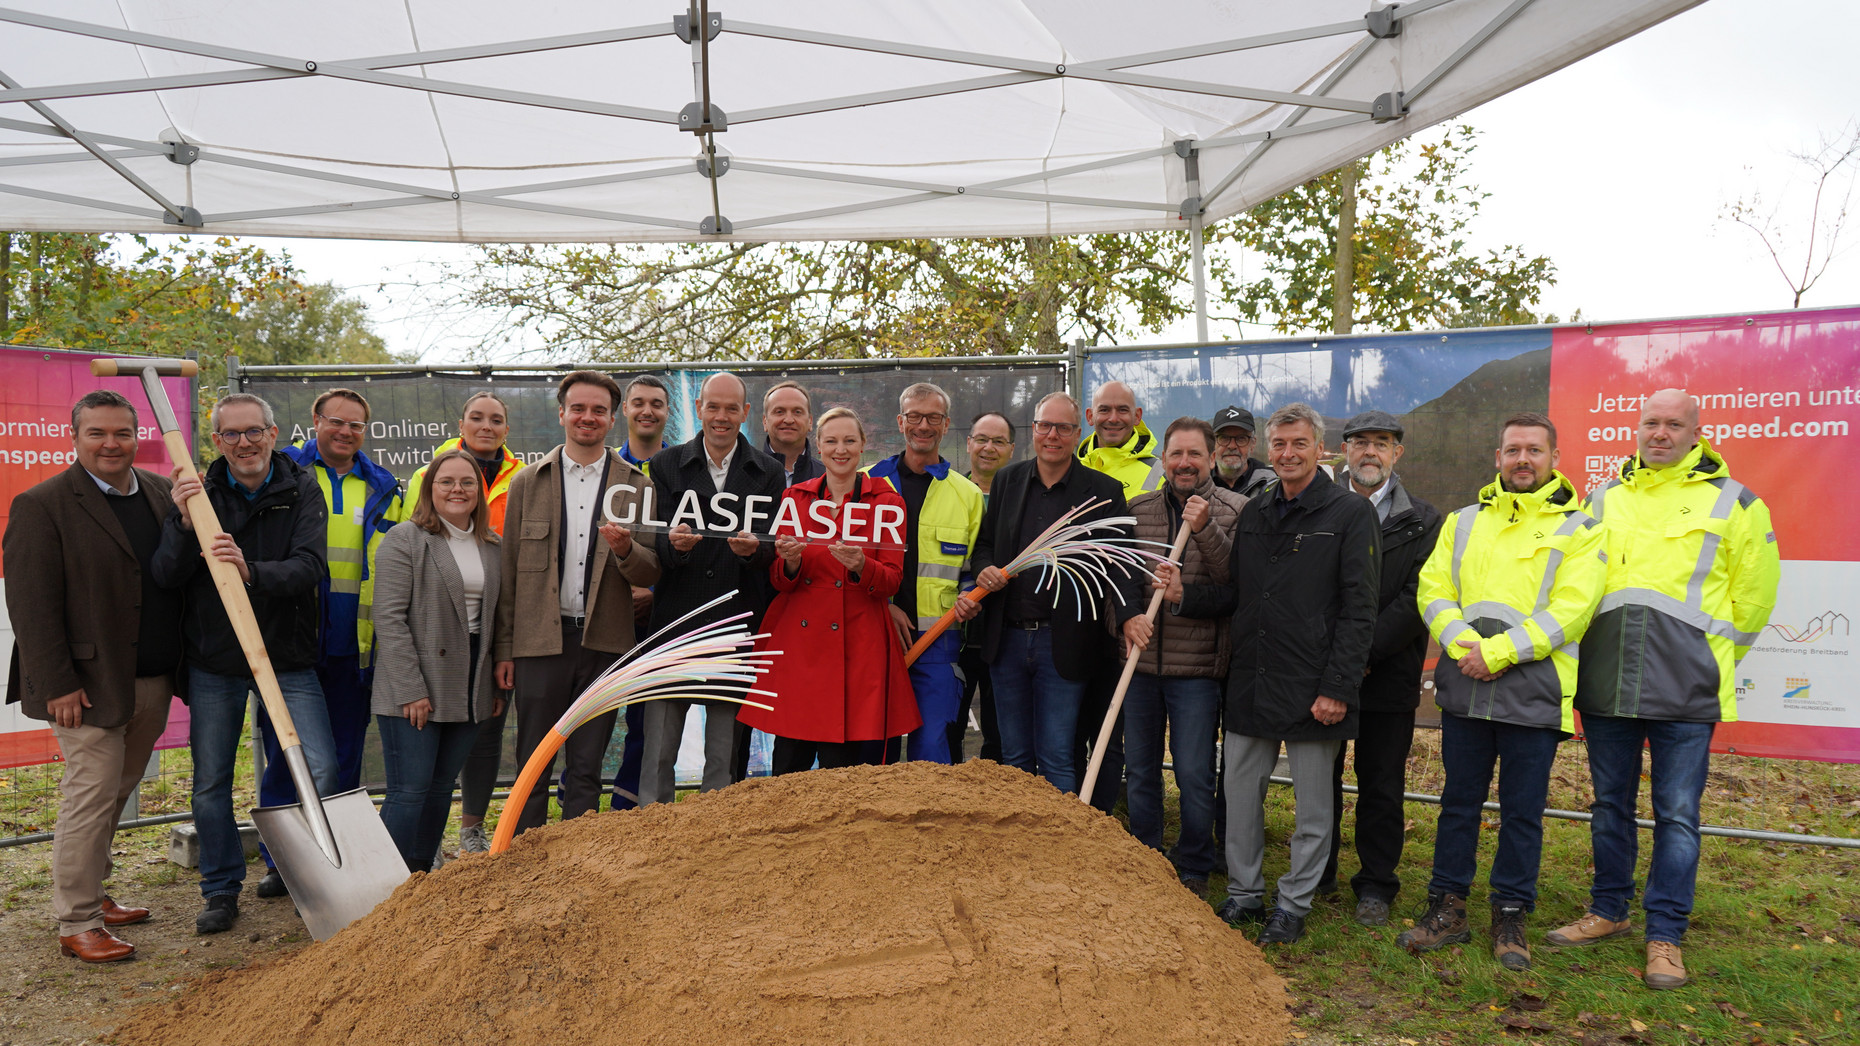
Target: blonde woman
pixel 436 591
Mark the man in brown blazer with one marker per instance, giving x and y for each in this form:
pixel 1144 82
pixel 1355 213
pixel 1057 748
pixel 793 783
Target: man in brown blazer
pixel 97 646
pixel 567 607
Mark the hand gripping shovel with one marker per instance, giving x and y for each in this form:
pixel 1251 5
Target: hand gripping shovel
pixel 335 854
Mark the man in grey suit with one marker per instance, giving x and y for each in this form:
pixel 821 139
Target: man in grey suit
pixel 96 648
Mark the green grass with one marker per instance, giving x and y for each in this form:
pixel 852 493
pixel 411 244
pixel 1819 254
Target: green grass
pixel 1774 947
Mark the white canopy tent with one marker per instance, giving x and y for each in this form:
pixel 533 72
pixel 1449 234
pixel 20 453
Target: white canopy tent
pixel 578 120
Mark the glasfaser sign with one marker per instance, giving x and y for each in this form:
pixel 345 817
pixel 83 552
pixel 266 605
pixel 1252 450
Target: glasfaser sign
pixel 727 514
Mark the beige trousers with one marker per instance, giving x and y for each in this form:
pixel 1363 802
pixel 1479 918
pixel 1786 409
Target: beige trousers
pixel 102 767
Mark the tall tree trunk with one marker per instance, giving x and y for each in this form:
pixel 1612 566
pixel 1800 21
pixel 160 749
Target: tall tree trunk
pixel 1043 295
pixel 1343 280
pixel 38 277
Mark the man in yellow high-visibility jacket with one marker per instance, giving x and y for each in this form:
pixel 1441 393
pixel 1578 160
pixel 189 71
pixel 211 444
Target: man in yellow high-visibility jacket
pixel 1123 448
pixel 364 502
pixel 1511 585
pixel 942 514
pixel 1692 575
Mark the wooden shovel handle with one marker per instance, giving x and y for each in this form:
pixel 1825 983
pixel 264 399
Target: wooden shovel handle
pixel 233 596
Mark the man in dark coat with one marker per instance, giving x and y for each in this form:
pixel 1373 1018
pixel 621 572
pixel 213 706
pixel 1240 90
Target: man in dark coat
pixel 275 522
pixel 96 647
pixel 1392 688
pixel 697 568
pixel 1303 600
pixel 1040 655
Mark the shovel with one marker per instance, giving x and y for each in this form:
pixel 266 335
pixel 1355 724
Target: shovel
pixel 334 854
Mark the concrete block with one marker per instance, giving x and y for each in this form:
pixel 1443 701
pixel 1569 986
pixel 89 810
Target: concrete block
pixel 184 844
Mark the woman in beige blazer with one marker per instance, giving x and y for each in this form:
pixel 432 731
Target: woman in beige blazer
pixel 436 592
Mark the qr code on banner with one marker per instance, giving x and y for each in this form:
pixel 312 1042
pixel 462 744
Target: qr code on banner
pixel 1601 468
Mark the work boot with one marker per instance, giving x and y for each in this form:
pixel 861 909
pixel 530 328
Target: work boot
pixel 218 915
pixel 1195 884
pixel 472 840
pixel 1372 911
pixel 1508 944
pixel 1444 923
pixel 1586 931
pixel 1665 967
pixel 272 885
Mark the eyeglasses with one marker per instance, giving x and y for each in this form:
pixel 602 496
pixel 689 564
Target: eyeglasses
pixel 1366 443
pixel 914 418
pixel 1232 441
pixel 1044 428
pixel 458 483
pixel 357 427
pixel 991 441
pixel 232 437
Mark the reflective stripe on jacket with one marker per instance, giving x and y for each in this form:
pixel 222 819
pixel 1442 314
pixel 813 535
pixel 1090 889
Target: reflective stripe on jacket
pixel 363 506
pixel 1134 463
pixel 1692 575
pixel 1523 572
pixel 494 497
pixel 946 530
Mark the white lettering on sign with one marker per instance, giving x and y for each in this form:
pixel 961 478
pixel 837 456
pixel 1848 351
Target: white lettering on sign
pixel 884 527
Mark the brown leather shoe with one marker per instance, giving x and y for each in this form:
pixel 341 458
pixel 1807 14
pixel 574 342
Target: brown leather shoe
pixel 1586 931
pixel 116 915
pixel 1666 967
pixel 98 945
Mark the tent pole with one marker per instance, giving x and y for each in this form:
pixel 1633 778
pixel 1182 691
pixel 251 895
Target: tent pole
pixel 1201 278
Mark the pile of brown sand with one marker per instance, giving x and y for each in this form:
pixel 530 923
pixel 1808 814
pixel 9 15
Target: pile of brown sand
pixel 912 903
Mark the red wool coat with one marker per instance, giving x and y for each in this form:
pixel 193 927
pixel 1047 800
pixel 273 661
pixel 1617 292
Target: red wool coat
pixel 841 674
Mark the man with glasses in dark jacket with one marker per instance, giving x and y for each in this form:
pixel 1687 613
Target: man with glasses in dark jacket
pixel 1392 683
pixel 275 535
pixel 1305 568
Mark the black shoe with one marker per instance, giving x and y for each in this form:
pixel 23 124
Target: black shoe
pixel 1233 913
pixel 1508 944
pixel 218 915
pixel 1195 884
pixel 1372 911
pixel 1282 927
pixel 1328 888
pixel 272 885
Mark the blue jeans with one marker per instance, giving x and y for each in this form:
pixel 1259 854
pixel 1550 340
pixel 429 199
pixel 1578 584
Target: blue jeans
pixel 1681 755
pixel 346 688
pixel 216 706
pixel 422 766
pixel 1036 709
pixel 1190 708
pixel 1470 748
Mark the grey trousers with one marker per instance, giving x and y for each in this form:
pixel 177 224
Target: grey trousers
pixel 1250 761
pixel 665 730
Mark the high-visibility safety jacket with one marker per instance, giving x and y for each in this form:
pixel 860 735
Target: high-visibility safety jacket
pixel 1524 573
pixel 363 506
pixel 1692 574
pixel 946 530
pixel 493 496
pixel 1136 462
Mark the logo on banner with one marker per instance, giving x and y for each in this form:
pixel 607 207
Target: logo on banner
pixel 1828 625
pixel 1795 688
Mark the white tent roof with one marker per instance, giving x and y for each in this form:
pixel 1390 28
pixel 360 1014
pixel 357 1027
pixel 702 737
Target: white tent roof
pixel 493 120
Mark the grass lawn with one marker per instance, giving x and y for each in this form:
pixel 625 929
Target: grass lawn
pixel 1774 948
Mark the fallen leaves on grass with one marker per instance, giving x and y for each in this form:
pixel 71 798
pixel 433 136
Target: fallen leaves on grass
pixel 1526 1002
pixel 1522 1025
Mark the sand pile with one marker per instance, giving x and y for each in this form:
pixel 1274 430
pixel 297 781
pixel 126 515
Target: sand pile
pixel 912 903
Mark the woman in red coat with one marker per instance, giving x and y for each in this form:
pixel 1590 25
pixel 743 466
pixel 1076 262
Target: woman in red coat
pixel 840 681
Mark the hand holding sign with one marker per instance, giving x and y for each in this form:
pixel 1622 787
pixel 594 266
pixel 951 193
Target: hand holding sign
pixel 789 549
pixel 683 538
pixel 852 557
pixel 744 544
pixel 619 538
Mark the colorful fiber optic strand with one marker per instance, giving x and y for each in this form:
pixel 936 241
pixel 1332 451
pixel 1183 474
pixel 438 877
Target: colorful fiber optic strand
pixel 715 662
pixel 1082 553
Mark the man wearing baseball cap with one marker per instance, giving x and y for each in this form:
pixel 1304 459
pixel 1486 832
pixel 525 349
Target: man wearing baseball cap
pixel 1392 682
pixel 1234 466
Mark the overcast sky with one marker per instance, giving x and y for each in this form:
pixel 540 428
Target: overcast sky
pixel 1617 167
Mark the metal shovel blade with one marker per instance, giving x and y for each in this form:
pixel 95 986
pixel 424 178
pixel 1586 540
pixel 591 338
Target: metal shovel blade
pixel 331 895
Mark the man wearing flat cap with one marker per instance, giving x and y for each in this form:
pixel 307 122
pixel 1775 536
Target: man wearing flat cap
pixel 1392 681
pixel 1234 465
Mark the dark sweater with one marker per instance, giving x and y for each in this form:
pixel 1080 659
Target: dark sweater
pixel 158 636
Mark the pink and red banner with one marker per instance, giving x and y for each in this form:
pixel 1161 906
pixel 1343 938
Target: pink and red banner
pixel 1779 398
pixel 37 389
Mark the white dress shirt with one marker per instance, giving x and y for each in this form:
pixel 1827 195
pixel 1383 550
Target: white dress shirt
pixel 719 472
pixel 581 488
pixel 135 484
